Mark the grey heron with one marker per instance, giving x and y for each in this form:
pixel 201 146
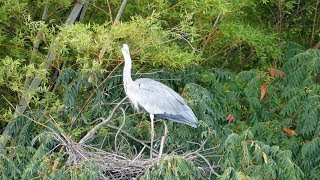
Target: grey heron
pixel 155 98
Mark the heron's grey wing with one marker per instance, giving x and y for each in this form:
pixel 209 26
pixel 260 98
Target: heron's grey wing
pixel 160 100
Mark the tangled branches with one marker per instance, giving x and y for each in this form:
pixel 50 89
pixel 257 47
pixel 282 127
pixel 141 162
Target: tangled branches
pixel 115 166
pixel 112 164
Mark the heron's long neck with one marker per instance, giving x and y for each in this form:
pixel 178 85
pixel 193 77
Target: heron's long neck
pixel 127 70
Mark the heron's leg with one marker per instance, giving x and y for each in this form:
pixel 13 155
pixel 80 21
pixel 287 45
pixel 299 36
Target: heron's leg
pixel 163 139
pixel 151 133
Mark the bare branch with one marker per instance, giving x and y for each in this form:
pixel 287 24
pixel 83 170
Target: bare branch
pixel 116 136
pixel 63 140
pixel 314 24
pixel 123 4
pixel 208 163
pixel 104 122
pixel 109 8
pixel 115 22
pixel 131 137
pixel 95 90
pixel 138 156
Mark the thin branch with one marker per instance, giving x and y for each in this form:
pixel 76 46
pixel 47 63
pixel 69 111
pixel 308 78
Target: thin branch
pixel 104 122
pixel 56 163
pixel 201 146
pixel 211 32
pixel 216 21
pixel 314 24
pixel 123 4
pixel 83 11
pixel 95 90
pixel 39 34
pixel 110 14
pixel 59 138
pixel 131 137
pixel 206 160
pixel 182 37
pixel 115 22
pixel 116 136
pixel 138 156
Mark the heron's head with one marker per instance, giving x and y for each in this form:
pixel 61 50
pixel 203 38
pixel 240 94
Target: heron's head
pixel 125 49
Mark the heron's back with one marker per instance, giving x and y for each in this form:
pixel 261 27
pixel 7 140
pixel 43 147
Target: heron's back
pixel 160 100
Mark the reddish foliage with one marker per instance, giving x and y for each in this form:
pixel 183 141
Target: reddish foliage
pixel 276 72
pixel 263 91
pixel 272 72
pixel 289 131
pixel 230 118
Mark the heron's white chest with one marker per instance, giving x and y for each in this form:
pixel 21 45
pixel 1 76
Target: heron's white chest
pixel 131 93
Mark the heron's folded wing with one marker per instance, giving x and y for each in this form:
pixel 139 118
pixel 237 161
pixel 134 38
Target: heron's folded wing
pixel 157 98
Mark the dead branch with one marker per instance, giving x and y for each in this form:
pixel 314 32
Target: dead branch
pixel 131 137
pixel 115 166
pixel 123 4
pixel 95 90
pixel 116 136
pixel 115 22
pixel 102 123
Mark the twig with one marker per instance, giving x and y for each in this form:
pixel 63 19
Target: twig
pixel 314 24
pixel 182 37
pixel 104 48
pixel 131 137
pixel 144 147
pixel 109 8
pixel 216 21
pixel 123 4
pixel 124 121
pixel 95 90
pixel 56 163
pixel 98 126
pixel 201 146
pixel 206 160
pixel 210 35
pixel 38 123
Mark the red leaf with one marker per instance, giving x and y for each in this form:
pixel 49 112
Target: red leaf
pixel 276 72
pixel 289 131
pixel 272 72
pixel 230 118
pixel 263 90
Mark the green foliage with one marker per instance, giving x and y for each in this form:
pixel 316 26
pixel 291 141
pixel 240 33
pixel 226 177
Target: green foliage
pixel 216 54
pixel 256 159
pixel 173 168
pixel 292 101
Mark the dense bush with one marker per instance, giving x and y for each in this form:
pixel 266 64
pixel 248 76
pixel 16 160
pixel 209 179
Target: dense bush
pixel 239 65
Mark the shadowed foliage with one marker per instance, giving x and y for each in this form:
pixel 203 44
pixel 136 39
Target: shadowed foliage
pixel 248 69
